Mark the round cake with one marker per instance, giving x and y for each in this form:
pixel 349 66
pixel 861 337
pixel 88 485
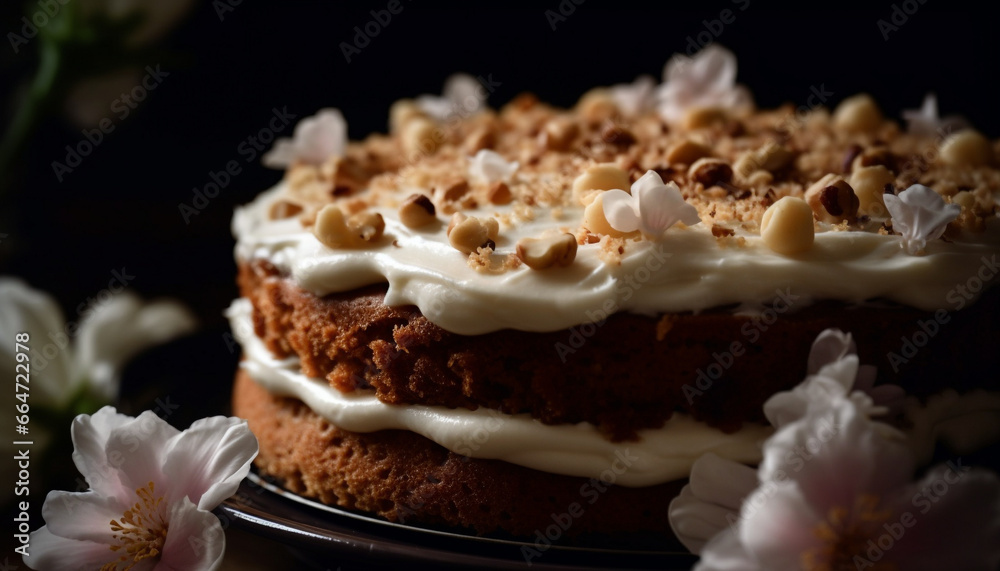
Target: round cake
pixel 505 320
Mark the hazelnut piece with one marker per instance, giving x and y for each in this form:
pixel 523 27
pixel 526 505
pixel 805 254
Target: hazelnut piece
pixel 367 226
pixel 787 226
pixel 420 137
pixel 499 193
pixel 834 202
pixel 687 152
pixel 869 186
pixel 710 172
pixel 857 114
pixel 967 148
pixel 558 134
pixel 602 176
pixel 468 233
pixel 700 117
pixel 417 211
pixel 541 253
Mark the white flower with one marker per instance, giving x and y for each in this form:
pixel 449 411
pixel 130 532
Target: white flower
pixel 489 167
pixel 920 215
pixel 152 489
pixel 706 80
pixel 925 121
pixel 109 334
pixel 709 504
pixel 834 371
pixel 836 494
pixel 635 98
pixel 652 207
pixel 462 96
pixel 315 140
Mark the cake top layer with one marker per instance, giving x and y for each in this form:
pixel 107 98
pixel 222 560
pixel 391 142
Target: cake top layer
pixel 681 197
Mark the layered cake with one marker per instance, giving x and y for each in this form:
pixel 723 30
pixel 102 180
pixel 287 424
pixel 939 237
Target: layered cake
pixel 498 320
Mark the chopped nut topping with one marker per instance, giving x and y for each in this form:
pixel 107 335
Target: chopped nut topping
pixel 857 114
pixel 617 135
pixel 420 137
pixel 453 190
pixel 710 172
pixel 499 193
pixel 368 226
pixel 282 209
pixel 542 253
pixel 721 232
pixel 417 211
pixel 833 200
pixel 869 185
pixel 701 117
pixel 687 152
pixel 602 176
pixel 468 233
pixel 967 148
pixel 558 134
pixel 787 226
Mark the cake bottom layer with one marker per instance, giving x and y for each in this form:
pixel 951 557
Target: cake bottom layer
pixel 406 478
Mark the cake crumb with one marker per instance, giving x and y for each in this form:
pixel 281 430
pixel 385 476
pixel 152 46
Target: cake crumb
pixel 664 326
pixel 484 262
pixel 612 250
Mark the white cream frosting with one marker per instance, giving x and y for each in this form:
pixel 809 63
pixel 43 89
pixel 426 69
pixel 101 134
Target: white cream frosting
pixel 659 455
pixel 687 270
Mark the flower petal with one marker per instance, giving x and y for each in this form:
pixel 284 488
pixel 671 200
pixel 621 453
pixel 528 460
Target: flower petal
pixel 316 139
pixel 120 328
pixel 830 441
pixel 51 552
pixel 461 96
pixel 777 526
pixel 660 207
pixel 634 98
pixel 920 215
pixel 725 553
pixel 90 441
pixel 195 539
pixel 138 448
pixel 207 462
pixel 711 500
pixel 24 309
pixel 830 345
pixel 490 166
pixel 82 516
pixel 956 521
pixel 620 211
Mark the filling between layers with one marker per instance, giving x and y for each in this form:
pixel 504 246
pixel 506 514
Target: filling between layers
pixel 657 456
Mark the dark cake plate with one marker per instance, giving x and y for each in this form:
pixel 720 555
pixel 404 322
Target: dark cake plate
pixel 328 538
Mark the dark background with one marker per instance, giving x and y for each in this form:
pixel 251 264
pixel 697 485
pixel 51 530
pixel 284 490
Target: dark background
pixel 230 66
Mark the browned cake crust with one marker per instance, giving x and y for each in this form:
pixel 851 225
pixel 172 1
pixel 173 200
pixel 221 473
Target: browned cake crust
pixel 405 477
pixel 629 373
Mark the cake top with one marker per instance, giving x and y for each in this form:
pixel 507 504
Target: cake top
pixel 669 198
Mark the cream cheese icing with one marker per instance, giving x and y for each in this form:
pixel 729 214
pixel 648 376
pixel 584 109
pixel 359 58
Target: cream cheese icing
pixel 687 270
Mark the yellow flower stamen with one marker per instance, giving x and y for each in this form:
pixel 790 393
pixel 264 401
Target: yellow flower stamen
pixel 845 535
pixel 141 532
